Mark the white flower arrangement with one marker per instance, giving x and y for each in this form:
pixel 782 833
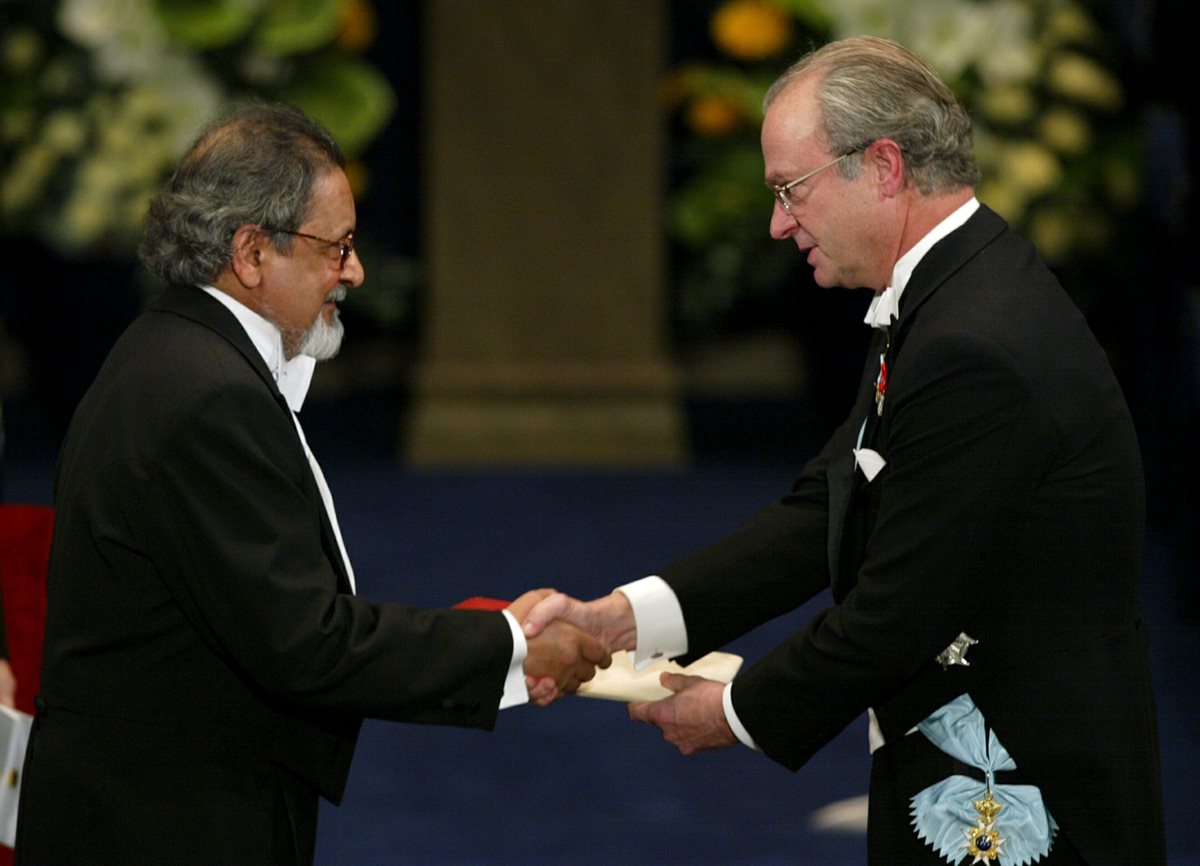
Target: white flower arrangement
pixel 1058 162
pixel 99 99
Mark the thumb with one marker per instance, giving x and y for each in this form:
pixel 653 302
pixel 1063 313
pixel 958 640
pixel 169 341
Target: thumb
pixel 553 607
pixel 676 682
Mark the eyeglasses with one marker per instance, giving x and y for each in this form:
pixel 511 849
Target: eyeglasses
pixel 783 194
pixel 345 245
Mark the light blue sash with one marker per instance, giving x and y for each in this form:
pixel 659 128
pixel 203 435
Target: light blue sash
pixel 944 815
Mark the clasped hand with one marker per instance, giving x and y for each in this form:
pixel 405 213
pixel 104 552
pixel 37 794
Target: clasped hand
pixel 692 718
pixel 561 655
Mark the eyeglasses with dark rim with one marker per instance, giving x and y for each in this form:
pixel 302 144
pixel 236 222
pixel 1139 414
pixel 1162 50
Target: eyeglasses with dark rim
pixel 345 245
pixel 783 192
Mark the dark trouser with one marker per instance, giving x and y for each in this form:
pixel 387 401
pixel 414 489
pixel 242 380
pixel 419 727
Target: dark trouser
pixel 900 770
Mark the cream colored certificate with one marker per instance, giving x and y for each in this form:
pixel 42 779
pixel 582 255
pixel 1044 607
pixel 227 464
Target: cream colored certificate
pixel 620 682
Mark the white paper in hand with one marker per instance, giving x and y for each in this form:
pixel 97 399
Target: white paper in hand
pixel 14 735
pixel 620 682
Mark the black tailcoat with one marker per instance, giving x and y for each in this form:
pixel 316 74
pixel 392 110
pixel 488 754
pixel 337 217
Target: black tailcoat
pixel 1011 508
pixel 206 666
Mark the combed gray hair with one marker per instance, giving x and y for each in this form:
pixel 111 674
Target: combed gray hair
pixel 256 166
pixel 872 88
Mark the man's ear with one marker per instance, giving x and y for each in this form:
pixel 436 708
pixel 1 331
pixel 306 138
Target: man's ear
pixel 249 245
pixel 885 161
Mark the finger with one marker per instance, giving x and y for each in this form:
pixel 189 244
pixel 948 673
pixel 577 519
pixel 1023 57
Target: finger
pixel 553 607
pixel 595 652
pixel 542 690
pixel 521 606
pixel 676 682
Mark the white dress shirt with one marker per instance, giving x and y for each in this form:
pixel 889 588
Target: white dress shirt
pixel 293 378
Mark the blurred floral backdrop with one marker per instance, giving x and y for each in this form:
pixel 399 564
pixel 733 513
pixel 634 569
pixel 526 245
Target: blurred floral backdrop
pixel 1059 156
pixel 99 98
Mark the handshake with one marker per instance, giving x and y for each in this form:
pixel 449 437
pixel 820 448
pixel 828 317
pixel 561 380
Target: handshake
pixel 568 639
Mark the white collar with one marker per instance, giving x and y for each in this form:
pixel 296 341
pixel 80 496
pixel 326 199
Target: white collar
pixel 885 306
pixel 292 377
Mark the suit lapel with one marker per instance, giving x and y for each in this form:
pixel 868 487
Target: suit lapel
pixel 196 305
pixel 945 258
pixel 841 474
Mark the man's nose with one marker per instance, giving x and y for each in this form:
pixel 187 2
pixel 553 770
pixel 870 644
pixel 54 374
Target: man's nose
pixel 783 224
pixel 353 272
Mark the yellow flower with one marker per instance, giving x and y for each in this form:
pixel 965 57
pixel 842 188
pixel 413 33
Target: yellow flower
pixel 750 29
pixel 1007 103
pixel 357 28
pixel 23 184
pixel 712 116
pixel 84 218
pixel 1066 131
pixel 1077 77
pixel 1031 167
pixel 1070 25
pixel 65 132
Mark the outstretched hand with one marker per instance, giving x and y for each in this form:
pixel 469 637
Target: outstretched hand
pixel 693 718
pixel 609 617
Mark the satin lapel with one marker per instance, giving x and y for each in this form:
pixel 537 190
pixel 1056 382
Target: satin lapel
pixel 942 260
pixel 329 540
pixel 196 304
pixel 840 473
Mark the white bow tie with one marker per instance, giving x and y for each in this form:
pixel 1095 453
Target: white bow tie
pixel 293 379
pixel 884 309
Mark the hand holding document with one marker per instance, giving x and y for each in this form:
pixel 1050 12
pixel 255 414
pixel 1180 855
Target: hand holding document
pixel 622 682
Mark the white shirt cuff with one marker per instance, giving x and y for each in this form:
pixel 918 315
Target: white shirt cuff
pixel 661 633
pixel 515 692
pixel 731 716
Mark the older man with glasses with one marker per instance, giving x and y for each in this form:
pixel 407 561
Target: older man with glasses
pixel 978 516
pixel 207 661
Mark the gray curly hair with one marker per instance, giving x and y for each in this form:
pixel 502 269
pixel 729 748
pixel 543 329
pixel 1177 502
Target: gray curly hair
pixel 256 166
pixel 872 88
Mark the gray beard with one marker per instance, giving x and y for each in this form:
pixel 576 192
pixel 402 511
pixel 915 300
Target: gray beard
pixel 323 339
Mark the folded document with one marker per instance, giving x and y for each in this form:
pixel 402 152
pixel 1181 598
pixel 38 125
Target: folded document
pixel 14 734
pixel 621 682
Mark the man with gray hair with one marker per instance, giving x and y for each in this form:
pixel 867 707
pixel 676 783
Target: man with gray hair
pixel 207 661
pixel 978 516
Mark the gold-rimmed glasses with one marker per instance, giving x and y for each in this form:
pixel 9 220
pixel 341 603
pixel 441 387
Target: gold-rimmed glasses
pixel 345 245
pixel 783 192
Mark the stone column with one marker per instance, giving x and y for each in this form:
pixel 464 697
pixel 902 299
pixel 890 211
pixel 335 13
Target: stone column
pixel 544 328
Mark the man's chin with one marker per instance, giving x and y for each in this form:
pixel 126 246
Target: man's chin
pixel 324 339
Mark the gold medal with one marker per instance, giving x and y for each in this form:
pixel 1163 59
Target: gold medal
pixel 984 841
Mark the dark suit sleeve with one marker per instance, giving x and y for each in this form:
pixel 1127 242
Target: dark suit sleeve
pixel 768 565
pixel 234 523
pixel 966 450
